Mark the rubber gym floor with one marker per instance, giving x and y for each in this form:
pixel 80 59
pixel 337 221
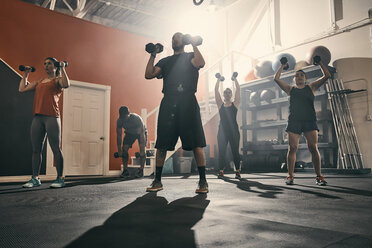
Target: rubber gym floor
pixel 257 211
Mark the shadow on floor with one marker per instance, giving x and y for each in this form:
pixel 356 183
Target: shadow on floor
pixel 93 181
pixel 340 189
pixel 304 176
pixel 149 221
pixel 329 187
pixel 70 182
pixel 271 191
pixel 263 190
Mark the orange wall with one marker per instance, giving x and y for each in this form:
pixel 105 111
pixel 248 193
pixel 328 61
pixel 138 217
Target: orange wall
pixel 96 54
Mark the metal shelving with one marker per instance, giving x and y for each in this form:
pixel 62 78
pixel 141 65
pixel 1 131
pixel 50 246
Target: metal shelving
pixel 252 126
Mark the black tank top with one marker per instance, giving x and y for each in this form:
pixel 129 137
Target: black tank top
pixel 228 118
pixel 301 104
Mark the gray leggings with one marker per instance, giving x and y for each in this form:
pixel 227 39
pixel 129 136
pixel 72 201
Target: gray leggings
pixel 42 125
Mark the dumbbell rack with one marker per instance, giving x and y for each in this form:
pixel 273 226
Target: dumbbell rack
pixel 261 151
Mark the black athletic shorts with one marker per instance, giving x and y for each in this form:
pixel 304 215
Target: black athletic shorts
pixel 299 127
pixel 179 116
pixel 130 138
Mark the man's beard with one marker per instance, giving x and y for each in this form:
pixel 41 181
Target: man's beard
pixel 177 48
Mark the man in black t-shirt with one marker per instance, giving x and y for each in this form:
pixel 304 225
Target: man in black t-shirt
pixel 179 113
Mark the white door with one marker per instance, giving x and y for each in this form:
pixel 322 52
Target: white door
pixel 83 131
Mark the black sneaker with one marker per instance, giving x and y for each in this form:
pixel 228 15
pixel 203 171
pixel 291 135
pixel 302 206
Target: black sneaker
pixel 320 181
pixel 221 175
pixel 289 180
pixel 237 175
pixel 202 187
pixel 125 174
pixel 139 173
pixel 155 186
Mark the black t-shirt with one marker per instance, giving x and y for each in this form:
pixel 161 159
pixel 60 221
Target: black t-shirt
pixel 179 75
pixel 301 104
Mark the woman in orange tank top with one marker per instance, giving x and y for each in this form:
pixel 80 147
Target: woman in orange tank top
pixel 46 117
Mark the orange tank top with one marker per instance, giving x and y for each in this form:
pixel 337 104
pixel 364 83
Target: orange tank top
pixel 46 98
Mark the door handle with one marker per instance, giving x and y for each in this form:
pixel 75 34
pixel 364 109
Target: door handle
pixel 102 138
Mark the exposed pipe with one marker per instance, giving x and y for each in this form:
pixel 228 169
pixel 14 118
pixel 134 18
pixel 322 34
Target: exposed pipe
pixel 52 4
pixel 332 15
pixel 132 9
pixel 68 6
pixel 45 3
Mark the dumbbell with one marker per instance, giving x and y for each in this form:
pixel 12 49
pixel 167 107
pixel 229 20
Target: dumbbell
pixel 316 60
pixel 186 39
pixel 234 76
pixel 218 76
pixel 151 48
pixel 58 63
pixel 116 154
pixel 23 68
pixel 284 61
pixel 150 153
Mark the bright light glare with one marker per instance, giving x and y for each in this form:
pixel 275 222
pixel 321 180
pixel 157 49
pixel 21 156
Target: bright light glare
pixel 199 22
pixel 212 8
pixel 196 22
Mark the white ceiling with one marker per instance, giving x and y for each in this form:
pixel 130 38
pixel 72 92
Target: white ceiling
pixel 143 17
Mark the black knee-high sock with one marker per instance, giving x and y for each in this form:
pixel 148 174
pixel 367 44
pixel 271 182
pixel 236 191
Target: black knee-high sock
pixel 158 173
pixel 201 170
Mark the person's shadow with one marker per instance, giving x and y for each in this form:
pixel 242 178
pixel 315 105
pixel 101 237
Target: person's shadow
pixel 149 221
pixel 271 191
pixel 263 190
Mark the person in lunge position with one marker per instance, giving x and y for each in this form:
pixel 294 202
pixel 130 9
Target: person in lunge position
pixel 228 130
pixel 134 130
pixel 302 117
pixel 179 113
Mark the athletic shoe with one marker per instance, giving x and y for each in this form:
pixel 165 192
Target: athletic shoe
pixel 289 181
pixel 139 173
pixel 58 183
pixel 202 187
pixel 237 175
pixel 155 186
pixel 125 174
pixel 320 181
pixel 220 174
pixel 34 182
